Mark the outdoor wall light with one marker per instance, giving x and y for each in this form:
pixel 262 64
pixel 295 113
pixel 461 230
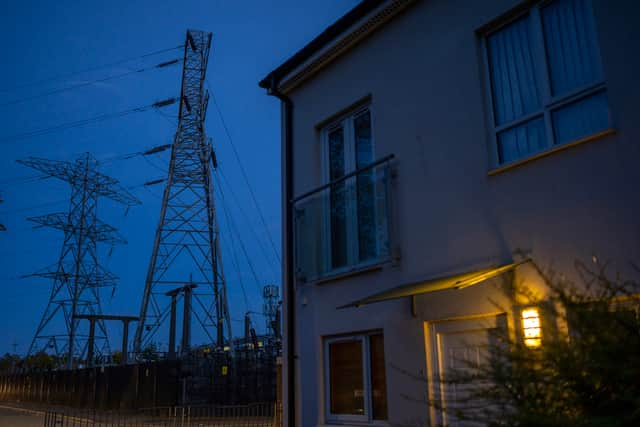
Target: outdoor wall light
pixel 531 327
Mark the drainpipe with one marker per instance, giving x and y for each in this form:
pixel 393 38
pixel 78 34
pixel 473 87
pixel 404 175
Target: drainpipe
pixel 288 255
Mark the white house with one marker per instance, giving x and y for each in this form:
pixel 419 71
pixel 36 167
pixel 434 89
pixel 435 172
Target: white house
pixel 430 148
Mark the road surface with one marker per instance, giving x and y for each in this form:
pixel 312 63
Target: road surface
pixel 17 418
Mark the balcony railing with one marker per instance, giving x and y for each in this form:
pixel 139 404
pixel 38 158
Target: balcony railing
pixel 344 225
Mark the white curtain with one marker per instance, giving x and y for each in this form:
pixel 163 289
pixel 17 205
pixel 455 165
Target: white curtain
pixel 571 44
pixel 573 59
pixel 511 62
pixel 522 140
pixel 581 118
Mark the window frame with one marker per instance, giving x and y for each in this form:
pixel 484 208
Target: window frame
pixel 548 103
pixel 346 121
pixel 367 417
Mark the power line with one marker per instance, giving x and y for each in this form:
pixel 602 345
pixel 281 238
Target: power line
pixel 236 264
pixel 84 122
pixel 233 229
pixel 88 83
pixel 246 218
pixel 23 180
pixel 41 205
pixel 169 119
pixel 94 68
pixel 244 174
pixel 152 164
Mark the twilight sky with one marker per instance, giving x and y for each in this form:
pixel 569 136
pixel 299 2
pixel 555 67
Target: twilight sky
pixel 44 40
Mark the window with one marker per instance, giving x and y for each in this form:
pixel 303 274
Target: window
pixel 355 378
pixel 546 80
pixel 343 225
pixel 353 230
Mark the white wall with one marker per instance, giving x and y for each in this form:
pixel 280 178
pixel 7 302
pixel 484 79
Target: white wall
pixel 423 71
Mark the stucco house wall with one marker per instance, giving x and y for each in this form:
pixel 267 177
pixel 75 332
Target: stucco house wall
pixel 425 75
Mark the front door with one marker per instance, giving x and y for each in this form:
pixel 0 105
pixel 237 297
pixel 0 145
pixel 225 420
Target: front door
pixel 459 347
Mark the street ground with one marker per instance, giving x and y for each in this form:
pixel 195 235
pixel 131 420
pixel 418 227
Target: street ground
pixel 15 417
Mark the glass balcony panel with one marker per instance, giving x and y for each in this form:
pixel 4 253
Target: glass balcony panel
pixel 343 226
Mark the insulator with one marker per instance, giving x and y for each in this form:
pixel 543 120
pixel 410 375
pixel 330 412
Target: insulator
pixel 164 103
pixel 166 64
pixel 214 159
pixel 157 149
pixel 154 182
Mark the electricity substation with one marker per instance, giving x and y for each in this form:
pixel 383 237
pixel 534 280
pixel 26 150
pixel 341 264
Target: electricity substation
pixel 179 348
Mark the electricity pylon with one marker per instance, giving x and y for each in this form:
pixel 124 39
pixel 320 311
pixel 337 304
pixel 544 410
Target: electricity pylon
pixel 186 248
pixel 77 276
pixel 270 308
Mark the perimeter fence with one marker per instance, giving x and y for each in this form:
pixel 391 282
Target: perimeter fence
pixel 266 414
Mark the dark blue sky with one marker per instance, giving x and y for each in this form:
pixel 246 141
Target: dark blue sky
pixel 42 39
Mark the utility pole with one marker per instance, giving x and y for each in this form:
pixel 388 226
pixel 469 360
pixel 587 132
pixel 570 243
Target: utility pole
pixel 186 238
pixel 77 276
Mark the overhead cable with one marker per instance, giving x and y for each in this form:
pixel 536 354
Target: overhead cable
pixel 85 122
pixel 234 230
pixel 87 83
pixel 264 251
pixel 244 174
pixel 95 68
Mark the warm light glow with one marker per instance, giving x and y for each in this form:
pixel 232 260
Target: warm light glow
pixel 531 327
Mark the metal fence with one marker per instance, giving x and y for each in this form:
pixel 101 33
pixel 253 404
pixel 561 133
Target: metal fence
pixel 246 376
pixel 253 415
pixel 113 387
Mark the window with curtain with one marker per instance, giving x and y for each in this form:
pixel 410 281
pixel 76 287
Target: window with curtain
pixel 353 218
pixel 355 378
pixel 546 80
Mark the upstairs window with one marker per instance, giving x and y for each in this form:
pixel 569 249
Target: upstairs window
pixel 343 225
pixel 350 147
pixel 546 80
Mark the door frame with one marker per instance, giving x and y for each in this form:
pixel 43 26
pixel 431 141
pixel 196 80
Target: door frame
pixel 451 325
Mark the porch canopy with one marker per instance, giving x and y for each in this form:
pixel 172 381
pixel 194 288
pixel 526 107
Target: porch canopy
pixel 456 281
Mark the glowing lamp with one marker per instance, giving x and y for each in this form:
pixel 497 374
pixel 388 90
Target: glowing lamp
pixel 531 327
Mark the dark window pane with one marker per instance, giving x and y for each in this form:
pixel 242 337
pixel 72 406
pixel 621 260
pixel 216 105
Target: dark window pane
pixel 346 382
pixel 581 118
pixel 572 45
pixel 362 134
pixel 337 200
pixel 522 140
pixel 378 380
pixel 512 71
pixel 365 188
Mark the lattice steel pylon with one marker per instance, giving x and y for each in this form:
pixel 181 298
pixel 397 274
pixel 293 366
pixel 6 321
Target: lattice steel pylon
pixel 77 276
pixel 270 307
pixel 186 247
